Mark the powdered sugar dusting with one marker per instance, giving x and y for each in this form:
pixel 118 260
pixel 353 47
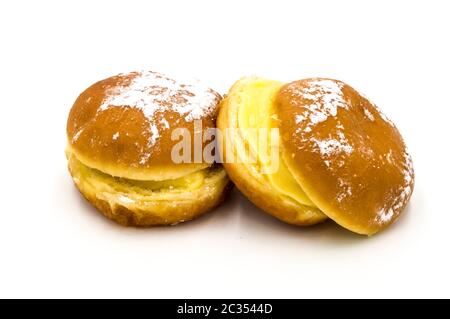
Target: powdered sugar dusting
pixel 336 145
pixel 299 118
pixel 151 92
pixel 345 190
pixel 322 99
pixel 369 115
pixel 154 93
pixel 324 96
pixel 408 172
pixel 331 147
pixel 380 113
pixel 165 123
pixel 155 134
pixel 385 214
pixel 383 116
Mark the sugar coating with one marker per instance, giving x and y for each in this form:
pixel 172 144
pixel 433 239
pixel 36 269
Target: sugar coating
pixel 154 94
pixel 321 100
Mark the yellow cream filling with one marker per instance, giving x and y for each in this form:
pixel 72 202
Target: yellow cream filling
pixel 186 183
pixel 256 111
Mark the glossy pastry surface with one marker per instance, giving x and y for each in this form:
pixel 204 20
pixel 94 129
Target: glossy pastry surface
pixel 120 149
pixel 249 105
pixel 339 156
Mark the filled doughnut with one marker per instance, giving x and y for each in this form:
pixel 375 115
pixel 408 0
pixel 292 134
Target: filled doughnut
pixel 120 149
pixel 338 155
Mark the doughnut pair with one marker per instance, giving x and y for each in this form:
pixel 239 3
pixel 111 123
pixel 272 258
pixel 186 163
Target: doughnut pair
pixel 303 151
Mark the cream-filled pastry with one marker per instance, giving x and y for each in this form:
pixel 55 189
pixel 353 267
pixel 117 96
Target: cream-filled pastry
pixel 120 149
pixel 338 156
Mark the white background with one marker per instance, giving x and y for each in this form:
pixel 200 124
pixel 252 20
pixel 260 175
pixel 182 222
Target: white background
pixel 53 244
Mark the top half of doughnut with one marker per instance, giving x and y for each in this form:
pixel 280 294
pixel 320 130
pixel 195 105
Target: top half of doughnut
pixel 122 125
pixel 347 155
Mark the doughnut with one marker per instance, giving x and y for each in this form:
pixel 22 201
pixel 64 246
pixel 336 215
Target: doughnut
pixel 339 156
pixel 120 144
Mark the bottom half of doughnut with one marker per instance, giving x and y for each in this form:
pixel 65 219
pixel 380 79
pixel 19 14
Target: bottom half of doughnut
pixel 150 203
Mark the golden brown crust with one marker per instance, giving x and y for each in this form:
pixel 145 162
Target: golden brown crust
pixel 120 143
pixel 269 201
pixel 144 218
pixel 252 184
pixel 122 125
pixel 347 156
pixel 134 208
